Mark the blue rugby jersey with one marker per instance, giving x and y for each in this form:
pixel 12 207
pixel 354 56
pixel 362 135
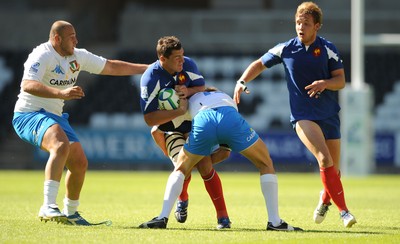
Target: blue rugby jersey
pixel 156 78
pixel 302 67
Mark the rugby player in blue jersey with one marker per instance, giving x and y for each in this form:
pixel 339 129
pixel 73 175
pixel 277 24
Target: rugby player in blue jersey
pixel 174 70
pixel 50 75
pixel 314 74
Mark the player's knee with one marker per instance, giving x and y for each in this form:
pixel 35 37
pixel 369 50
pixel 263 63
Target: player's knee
pixel 60 148
pixel 204 167
pixel 324 161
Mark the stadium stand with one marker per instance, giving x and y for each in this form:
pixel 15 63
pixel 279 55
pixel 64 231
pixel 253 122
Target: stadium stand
pixel 388 113
pixel 220 35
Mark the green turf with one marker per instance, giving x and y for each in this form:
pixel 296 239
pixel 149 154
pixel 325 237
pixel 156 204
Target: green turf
pixel 129 198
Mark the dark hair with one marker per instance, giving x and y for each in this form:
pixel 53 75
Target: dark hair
pixel 210 89
pixel 166 44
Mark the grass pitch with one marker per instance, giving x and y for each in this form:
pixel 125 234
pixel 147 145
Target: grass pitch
pixel 129 198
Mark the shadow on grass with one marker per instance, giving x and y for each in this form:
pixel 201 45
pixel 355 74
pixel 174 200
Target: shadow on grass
pixel 263 230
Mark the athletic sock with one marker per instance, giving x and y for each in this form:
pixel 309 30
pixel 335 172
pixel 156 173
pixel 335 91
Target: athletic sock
pixel 70 206
pixel 172 191
pixel 333 186
pixel 213 186
pixel 269 188
pixel 184 196
pixel 50 192
pixel 326 199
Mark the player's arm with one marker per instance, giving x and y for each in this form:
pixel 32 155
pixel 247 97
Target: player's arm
pixel 251 72
pixel 184 91
pixel 160 117
pixel 159 139
pixel 120 68
pixel 38 89
pixel 336 82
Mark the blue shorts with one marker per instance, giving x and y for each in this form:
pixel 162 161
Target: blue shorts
pixel 222 125
pixel 330 127
pixel 31 126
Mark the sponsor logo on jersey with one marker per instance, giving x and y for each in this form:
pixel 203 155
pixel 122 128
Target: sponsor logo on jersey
pixel 74 66
pixel 181 79
pixel 34 67
pixel 144 92
pixel 252 135
pixel 55 82
pixel 58 70
pixel 317 52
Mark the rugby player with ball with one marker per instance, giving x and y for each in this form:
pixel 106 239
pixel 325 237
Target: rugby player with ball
pixel 176 71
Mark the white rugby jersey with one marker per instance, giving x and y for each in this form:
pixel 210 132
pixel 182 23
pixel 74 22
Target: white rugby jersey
pixel 46 66
pixel 207 100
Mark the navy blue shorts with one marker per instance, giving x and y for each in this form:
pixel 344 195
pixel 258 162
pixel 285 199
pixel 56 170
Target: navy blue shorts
pixel 330 127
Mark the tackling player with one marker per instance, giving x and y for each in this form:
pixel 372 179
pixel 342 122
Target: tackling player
pixel 216 120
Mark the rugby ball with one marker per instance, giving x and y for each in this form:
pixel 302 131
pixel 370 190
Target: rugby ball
pixel 168 99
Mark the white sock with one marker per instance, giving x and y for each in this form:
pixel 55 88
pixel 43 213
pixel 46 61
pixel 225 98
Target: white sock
pixel 172 190
pixel 269 188
pixel 50 192
pixel 70 206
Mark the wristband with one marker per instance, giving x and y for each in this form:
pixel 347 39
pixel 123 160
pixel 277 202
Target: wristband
pixel 242 83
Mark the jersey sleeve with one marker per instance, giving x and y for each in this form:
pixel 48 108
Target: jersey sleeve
pixel 149 88
pixel 195 78
pixel 35 66
pixel 273 56
pixel 334 59
pixel 90 62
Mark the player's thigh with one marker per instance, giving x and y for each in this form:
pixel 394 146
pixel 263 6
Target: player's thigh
pixel 259 155
pixel 55 139
pixel 312 137
pixel 186 161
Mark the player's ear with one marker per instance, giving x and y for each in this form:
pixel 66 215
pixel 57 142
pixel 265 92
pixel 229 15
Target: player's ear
pixel 318 26
pixel 162 58
pixel 57 38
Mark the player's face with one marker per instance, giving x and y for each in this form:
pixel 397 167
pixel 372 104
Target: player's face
pixel 174 63
pixel 306 29
pixel 68 41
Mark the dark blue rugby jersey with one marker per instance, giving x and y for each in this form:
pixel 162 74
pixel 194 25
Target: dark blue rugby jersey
pixel 302 67
pixel 156 78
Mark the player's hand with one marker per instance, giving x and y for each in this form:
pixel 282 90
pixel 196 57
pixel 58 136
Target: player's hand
pixel 183 105
pixel 71 93
pixel 182 91
pixel 239 88
pixel 316 88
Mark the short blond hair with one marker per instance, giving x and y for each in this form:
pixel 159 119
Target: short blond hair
pixel 312 9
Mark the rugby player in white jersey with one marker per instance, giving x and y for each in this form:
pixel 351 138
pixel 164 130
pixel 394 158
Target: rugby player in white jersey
pixel 216 120
pixel 50 76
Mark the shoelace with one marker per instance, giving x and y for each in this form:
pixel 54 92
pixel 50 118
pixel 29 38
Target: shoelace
pixel 323 209
pixel 345 215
